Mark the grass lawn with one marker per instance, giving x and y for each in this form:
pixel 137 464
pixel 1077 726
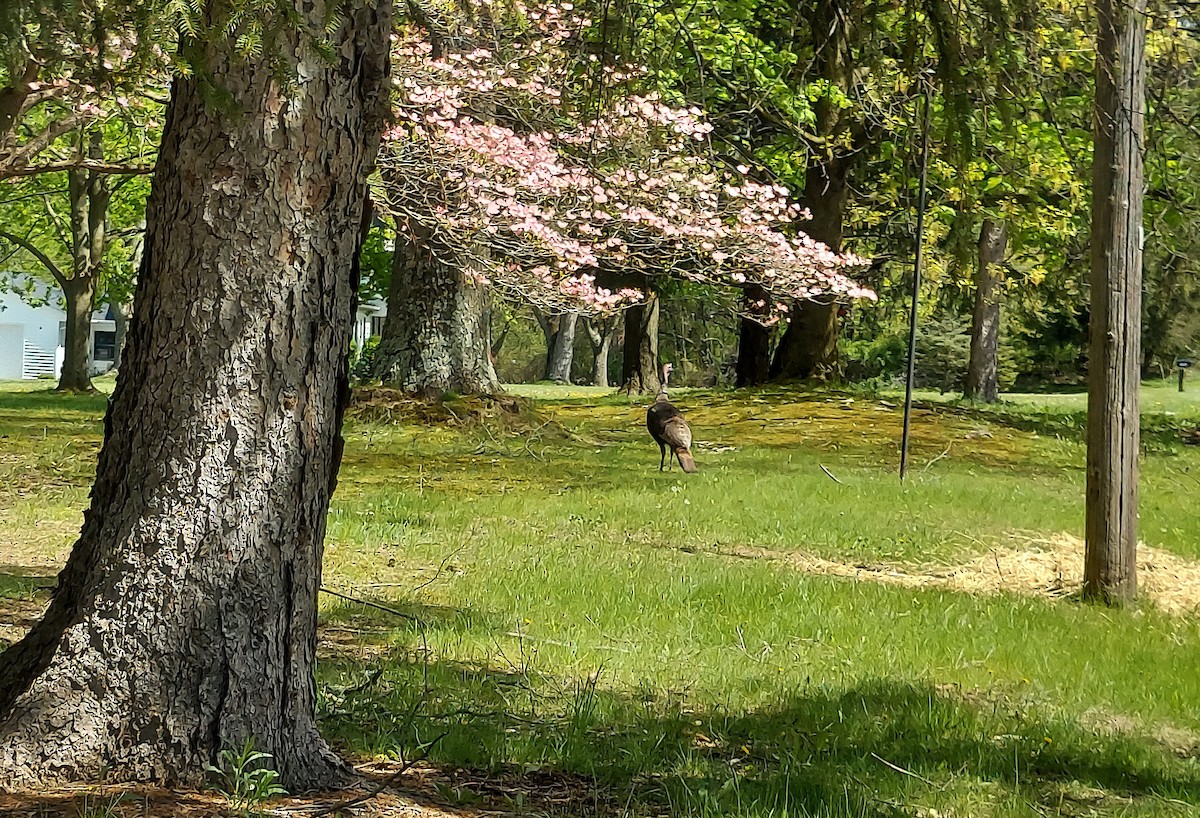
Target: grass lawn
pixel 790 631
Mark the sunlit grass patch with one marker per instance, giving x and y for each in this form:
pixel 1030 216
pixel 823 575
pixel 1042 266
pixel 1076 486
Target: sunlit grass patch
pixel 789 631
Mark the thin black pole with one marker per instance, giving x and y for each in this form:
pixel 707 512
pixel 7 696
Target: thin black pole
pixel 912 315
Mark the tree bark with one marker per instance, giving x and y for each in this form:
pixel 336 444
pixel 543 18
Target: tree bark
pixel 185 619
pixel 639 368
pixel 78 295
pixel 600 333
pixel 1110 564
pixel 89 194
pixel 808 347
pixel 435 337
pixel 562 353
pixel 121 328
pixel 754 344
pixel 983 367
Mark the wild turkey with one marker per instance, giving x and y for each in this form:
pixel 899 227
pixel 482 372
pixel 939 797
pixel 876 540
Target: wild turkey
pixel 669 430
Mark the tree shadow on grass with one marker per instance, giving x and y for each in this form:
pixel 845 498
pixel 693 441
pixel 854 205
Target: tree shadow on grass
pixel 875 749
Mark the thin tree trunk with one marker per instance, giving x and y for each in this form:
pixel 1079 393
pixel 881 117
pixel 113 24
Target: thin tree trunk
pixel 78 293
pixel 1110 564
pixel 89 195
pixel 497 341
pixel 549 326
pixel 600 334
pixel 640 369
pixel 562 354
pixel 435 335
pixel 754 344
pixel 185 619
pixel 983 381
pixel 121 326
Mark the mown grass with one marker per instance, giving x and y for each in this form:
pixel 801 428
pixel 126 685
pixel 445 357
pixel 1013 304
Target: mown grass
pixel 569 612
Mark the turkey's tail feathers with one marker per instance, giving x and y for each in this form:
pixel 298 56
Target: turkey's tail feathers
pixel 686 461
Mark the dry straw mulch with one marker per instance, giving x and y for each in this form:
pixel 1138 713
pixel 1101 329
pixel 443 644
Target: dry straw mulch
pixel 1032 565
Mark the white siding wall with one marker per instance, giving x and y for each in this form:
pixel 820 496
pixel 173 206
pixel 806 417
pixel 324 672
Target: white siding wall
pixel 22 326
pixel 38 326
pixel 12 339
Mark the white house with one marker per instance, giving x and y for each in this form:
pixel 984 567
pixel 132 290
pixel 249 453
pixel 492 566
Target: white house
pixel 32 337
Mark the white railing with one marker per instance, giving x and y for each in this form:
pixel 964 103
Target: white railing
pixel 37 362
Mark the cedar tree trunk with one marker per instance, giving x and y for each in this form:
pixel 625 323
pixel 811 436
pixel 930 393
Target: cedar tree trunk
pixel 982 368
pixel 185 619
pixel 562 352
pixel 1110 564
pixel 639 368
pixel 435 336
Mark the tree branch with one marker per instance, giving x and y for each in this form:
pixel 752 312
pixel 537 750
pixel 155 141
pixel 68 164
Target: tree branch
pixel 73 164
pixel 29 247
pixel 21 155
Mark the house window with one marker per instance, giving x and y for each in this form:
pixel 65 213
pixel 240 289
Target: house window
pixel 377 324
pixel 104 345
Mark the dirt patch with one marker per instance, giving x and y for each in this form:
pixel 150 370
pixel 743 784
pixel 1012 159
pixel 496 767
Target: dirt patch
pixel 17 616
pixel 423 790
pixel 1035 566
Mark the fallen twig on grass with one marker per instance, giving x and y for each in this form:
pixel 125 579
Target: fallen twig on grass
pixel 936 459
pixel 318 810
pixel 375 605
pixel 831 477
pixel 899 769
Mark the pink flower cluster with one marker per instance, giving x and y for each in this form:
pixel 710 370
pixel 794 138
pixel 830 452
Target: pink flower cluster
pixel 544 200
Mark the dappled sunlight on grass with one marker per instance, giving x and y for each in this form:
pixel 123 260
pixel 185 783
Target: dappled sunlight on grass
pixel 789 631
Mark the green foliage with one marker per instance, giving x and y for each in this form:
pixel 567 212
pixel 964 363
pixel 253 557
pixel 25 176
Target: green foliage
pixel 882 357
pixel 375 262
pixel 244 778
pixel 362 361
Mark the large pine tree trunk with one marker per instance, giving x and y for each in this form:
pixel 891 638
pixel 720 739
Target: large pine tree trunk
pixel 639 366
pixel 562 351
pixel 1110 565
pixel 435 337
pixel 185 619
pixel 983 366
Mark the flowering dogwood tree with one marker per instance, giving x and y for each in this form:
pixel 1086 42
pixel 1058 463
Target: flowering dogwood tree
pixel 495 166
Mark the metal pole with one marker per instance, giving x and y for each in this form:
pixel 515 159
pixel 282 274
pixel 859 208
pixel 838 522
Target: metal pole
pixel 919 258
